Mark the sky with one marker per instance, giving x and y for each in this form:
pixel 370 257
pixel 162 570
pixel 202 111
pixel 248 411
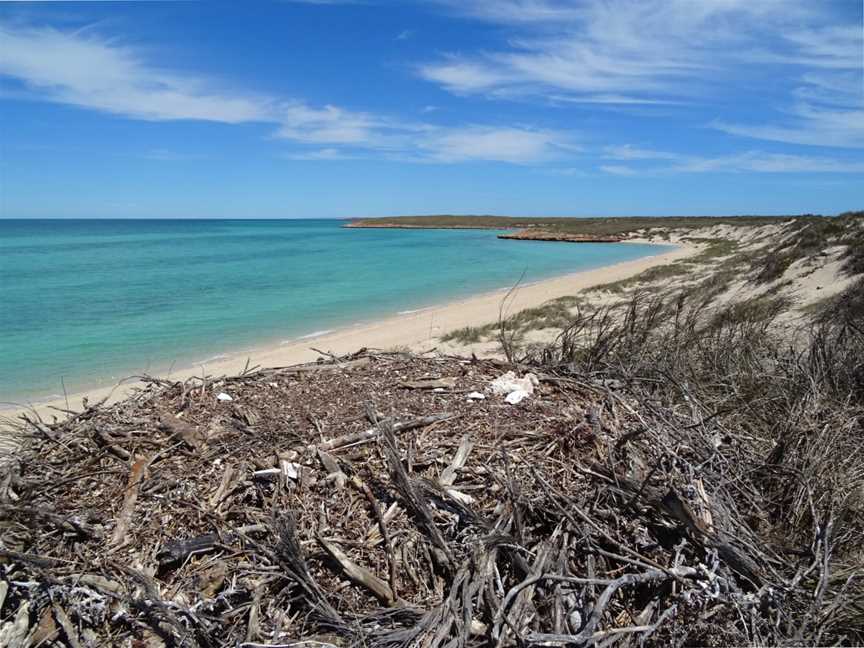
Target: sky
pixel 329 108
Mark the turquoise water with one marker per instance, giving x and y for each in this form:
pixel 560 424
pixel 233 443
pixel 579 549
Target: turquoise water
pixel 92 301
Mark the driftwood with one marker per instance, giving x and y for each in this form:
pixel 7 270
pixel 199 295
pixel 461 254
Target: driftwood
pixel 373 433
pixel 136 473
pixel 180 550
pixel 358 574
pixel 430 383
pixel 327 504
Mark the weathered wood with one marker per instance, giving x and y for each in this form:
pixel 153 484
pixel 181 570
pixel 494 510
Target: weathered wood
pixel 430 383
pixel 68 628
pixel 382 525
pixel 124 518
pixel 359 575
pixel 189 434
pixel 416 504
pixel 224 486
pixel 375 432
pixel 323 367
pixel 448 476
pixel 14 633
pixel 180 550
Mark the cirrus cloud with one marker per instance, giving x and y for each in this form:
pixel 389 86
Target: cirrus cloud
pixel 632 52
pixel 101 74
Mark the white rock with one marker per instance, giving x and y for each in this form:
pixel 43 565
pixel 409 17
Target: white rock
pixel 515 389
pixel 222 396
pixel 476 396
pixel 503 384
pixel 290 469
pixel 516 396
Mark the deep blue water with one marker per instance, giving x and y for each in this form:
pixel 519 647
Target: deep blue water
pixel 92 301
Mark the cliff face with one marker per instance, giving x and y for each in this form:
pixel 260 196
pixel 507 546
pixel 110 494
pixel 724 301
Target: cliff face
pixel 372 224
pixel 546 235
pixel 529 233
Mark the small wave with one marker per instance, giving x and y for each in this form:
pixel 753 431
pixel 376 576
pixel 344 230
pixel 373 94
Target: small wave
pixel 308 336
pixel 216 358
pixel 411 312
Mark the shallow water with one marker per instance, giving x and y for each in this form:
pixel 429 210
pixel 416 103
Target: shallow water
pixel 92 301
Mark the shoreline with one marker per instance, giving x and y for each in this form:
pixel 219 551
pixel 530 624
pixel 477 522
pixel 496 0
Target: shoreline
pixel 405 329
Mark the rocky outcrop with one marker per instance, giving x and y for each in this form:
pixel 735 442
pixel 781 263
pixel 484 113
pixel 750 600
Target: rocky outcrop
pixel 546 235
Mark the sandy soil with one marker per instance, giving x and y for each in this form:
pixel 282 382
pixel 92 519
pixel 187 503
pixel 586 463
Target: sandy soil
pixel 417 331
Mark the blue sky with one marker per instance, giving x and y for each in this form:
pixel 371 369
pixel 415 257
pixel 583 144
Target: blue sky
pixel 325 108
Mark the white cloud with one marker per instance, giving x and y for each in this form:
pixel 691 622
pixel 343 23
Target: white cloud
pixel 629 48
pixel 405 34
pixel 644 51
pixel 515 11
pixel 618 169
pixel 628 152
pixel 827 108
pixel 460 76
pixel 840 129
pixel 516 145
pixel 85 71
pixel 320 154
pixel 832 46
pixel 748 161
pixel 617 99
pixel 100 74
pixel 329 124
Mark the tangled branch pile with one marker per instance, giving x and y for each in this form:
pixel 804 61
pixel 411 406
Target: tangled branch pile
pixel 669 483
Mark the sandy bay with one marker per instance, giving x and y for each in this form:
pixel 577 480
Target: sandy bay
pixel 416 330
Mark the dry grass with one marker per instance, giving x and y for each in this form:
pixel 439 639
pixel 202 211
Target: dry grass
pixel 652 275
pixel 781 418
pixel 812 237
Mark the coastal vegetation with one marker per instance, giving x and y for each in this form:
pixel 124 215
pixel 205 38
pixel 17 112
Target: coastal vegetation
pixel 733 263
pixel 593 229
pixel 684 469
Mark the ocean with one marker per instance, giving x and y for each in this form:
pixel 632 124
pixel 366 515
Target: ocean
pixel 87 302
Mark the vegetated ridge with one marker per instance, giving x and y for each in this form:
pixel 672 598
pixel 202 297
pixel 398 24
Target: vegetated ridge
pixel 565 229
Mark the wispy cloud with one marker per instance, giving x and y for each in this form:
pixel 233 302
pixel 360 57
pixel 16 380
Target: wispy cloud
pixel 628 152
pixel 85 70
pixel 664 162
pixel 632 49
pixel 72 68
pixel 516 145
pixel 618 169
pixel 810 125
pixel 666 51
pixel 320 154
pixel 332 125
pixel 826 107
pixel 405 34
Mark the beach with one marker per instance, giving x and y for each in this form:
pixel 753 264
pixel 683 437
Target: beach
pixel 415 330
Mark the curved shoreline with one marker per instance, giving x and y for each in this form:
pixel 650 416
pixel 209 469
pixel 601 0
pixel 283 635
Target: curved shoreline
pixel 410 329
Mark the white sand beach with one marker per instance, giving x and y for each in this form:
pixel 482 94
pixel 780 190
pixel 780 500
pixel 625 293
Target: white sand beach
pixel 415 330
